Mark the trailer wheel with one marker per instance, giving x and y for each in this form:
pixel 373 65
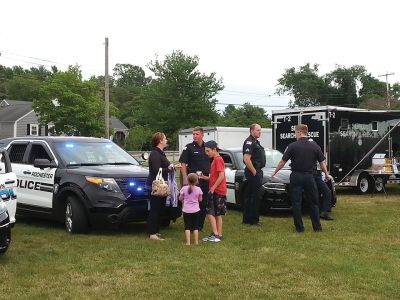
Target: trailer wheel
pixel 364 184
pixel 379 184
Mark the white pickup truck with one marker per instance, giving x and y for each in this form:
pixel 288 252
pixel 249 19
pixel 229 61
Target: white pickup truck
pixel 8 203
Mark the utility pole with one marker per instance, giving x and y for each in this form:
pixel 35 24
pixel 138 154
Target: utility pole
pixel 387 87
pixel 106 93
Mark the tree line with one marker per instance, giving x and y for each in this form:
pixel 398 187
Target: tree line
pixel 177 96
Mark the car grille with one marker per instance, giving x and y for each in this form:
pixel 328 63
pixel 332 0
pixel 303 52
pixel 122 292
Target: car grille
pixel 274 186
pixel 133 188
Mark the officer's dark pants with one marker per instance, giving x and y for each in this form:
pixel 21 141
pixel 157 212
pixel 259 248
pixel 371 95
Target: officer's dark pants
pixel 204 185
pixel 323 189
pixel 251 213
pixel 157 209
pixel 299 182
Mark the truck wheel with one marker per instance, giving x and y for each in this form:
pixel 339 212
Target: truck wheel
pixel 379 184
pixel 5 241
pixel 364 184
pixel 75 218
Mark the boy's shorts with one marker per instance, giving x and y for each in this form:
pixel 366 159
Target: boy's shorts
pixel 216 205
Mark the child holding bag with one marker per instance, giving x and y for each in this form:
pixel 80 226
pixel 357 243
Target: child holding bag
pixel 191 195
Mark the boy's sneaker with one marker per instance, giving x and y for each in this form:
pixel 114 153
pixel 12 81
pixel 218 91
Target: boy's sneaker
pixel 211 238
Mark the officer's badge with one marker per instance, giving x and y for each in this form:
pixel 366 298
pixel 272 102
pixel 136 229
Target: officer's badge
pixel 249 142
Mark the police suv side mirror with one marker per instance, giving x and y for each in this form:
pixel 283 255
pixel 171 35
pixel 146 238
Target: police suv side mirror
pixel 42 163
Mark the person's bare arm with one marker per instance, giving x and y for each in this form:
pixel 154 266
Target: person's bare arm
pixel 221 176
pixel 184 173
pixel 278 167
pixel 249 164
pixel 324 169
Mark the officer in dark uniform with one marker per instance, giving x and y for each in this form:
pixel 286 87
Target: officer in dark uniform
pixel 195 160
pixel 324 190
pixel 303 155
pixel 254 159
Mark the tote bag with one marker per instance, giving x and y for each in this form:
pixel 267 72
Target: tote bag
pixel 159 187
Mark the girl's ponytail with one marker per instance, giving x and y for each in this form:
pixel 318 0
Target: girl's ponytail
pixel 193 179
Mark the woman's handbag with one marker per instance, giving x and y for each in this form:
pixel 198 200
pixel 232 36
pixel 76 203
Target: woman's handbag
pixel 159 187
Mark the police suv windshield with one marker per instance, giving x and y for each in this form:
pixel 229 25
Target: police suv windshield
pixel 272 158
pixel 84 153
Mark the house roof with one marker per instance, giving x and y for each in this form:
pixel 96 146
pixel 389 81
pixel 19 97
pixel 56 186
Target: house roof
pixel 117 124
pixel 12 110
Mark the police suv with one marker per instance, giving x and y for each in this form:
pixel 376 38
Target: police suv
pixel 80 181
pixel 8 196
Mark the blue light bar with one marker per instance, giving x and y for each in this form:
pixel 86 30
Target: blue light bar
pixel 131 184
pixel 69 145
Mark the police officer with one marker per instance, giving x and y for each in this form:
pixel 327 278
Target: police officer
pixel 322 187
pixel 324 190
pixel 303 155
pixel 254 159
pixel 195 160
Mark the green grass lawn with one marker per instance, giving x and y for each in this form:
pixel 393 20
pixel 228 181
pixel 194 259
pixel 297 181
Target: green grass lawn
pixel 357 256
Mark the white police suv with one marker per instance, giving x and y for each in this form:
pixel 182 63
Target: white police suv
pixel 8 195
pixel 80 181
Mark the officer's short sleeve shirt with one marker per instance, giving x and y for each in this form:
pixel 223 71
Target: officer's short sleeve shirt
pixel 195 157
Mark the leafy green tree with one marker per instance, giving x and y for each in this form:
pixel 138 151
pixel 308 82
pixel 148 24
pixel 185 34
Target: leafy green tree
pixel 343 82
pixel 305 85
pixel 352 87
pixel 23 88
pixel 179 97
pixel 127 75
pixel 73 105
pixel 244 116
pixel 139 138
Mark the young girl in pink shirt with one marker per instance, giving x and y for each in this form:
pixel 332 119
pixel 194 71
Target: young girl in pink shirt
pixel 191 195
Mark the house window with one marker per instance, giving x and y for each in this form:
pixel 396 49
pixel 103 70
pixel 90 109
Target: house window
pixel 344 124
pixel 34 129
pixel 374 125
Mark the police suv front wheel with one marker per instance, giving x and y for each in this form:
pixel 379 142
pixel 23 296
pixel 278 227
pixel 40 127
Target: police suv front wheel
pixel 75 218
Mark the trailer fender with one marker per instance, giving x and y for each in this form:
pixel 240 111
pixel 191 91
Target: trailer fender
pixel 355 176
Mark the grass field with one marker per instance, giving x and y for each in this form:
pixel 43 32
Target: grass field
pixel 357 256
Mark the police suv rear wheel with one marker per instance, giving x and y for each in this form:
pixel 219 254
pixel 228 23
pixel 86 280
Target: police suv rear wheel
pixel 379 184
pixel 5 240
pixel 75 218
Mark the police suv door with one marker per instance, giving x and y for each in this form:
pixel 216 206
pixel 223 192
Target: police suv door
pixel 230 173
pixel 35 186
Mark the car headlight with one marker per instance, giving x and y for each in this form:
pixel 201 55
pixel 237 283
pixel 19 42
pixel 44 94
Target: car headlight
pixel 107 184
pixel 275 186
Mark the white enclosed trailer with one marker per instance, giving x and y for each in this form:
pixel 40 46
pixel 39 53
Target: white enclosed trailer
pixel 226 137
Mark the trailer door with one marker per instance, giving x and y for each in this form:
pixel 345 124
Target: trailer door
pixel 316 123
pixel 283 130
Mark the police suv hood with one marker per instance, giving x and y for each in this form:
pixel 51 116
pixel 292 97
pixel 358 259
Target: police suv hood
pixel 110 171
pixel 283 176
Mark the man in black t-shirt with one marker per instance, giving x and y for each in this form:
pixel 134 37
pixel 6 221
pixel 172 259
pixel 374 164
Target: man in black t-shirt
pixel 303 155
